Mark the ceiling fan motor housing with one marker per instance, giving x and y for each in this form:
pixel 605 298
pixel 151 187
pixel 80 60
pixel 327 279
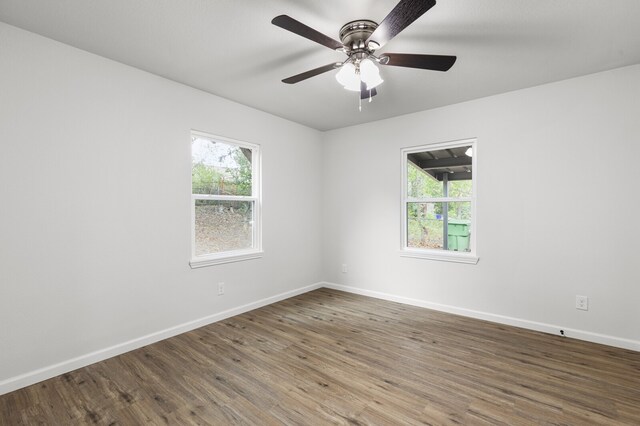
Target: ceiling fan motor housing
pixel 354 36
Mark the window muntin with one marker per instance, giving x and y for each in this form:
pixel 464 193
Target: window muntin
pixel 438 201
pixel 225 200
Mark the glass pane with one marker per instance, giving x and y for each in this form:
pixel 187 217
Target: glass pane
pixel 426 225
pixel 218 168
pixel 420 184
pixel 223 226
pixel 427 170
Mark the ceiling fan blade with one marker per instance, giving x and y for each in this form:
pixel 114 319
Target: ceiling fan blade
pixel 311 73
pixel 425 62
pixel 297 27
pixel 398 19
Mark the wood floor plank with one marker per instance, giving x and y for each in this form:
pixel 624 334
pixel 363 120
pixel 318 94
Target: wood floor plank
pixel 329 357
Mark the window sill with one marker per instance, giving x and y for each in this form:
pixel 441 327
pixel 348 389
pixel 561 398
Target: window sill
pixel 201 262
pixel 442 256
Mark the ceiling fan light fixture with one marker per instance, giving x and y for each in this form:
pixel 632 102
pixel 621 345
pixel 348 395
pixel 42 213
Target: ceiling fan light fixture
pixel 370 74
pixel 348 77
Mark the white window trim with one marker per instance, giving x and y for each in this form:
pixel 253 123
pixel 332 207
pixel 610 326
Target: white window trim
pixel 256 196
pixel 442 255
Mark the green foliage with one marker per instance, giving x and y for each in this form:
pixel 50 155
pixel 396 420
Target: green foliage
pixel 242 174
pixel 234 178
pixel 204 179
pixel 461 188
pixel 422 185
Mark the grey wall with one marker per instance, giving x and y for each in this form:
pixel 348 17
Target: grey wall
pixel 95 166
pixel 557 207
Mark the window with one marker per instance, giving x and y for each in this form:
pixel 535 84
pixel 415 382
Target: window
pixel 225 200
pixel 439 201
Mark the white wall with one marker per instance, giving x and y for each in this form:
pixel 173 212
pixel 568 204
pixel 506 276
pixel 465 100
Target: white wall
pixel 95 205
pixel 558 209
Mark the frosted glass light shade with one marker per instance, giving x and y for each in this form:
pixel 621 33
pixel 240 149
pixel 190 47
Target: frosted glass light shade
pixel 348 78
pixel 370 74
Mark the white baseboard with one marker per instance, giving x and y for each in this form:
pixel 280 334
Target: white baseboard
pixel 588 336
pixel 26 379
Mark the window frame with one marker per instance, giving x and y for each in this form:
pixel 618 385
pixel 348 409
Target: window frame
pixel 435 254
pixel 256 197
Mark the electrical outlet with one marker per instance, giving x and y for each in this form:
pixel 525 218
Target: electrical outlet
pixel 344 268
pixel 582 303
pixel 220 289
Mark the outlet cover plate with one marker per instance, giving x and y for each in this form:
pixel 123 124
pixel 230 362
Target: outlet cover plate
pixel 582 303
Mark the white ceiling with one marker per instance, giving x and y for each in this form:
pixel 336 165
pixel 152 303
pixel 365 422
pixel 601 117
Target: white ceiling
pixel 230 48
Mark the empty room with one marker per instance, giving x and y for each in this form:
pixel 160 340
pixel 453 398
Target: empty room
pixel 277 212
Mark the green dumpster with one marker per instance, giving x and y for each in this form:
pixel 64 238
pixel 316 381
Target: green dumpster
pixel 458 235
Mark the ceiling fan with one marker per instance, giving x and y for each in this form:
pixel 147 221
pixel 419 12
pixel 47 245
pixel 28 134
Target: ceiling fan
pixel 359 40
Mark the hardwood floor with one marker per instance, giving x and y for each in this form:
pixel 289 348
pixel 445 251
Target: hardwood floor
pixel 333 357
